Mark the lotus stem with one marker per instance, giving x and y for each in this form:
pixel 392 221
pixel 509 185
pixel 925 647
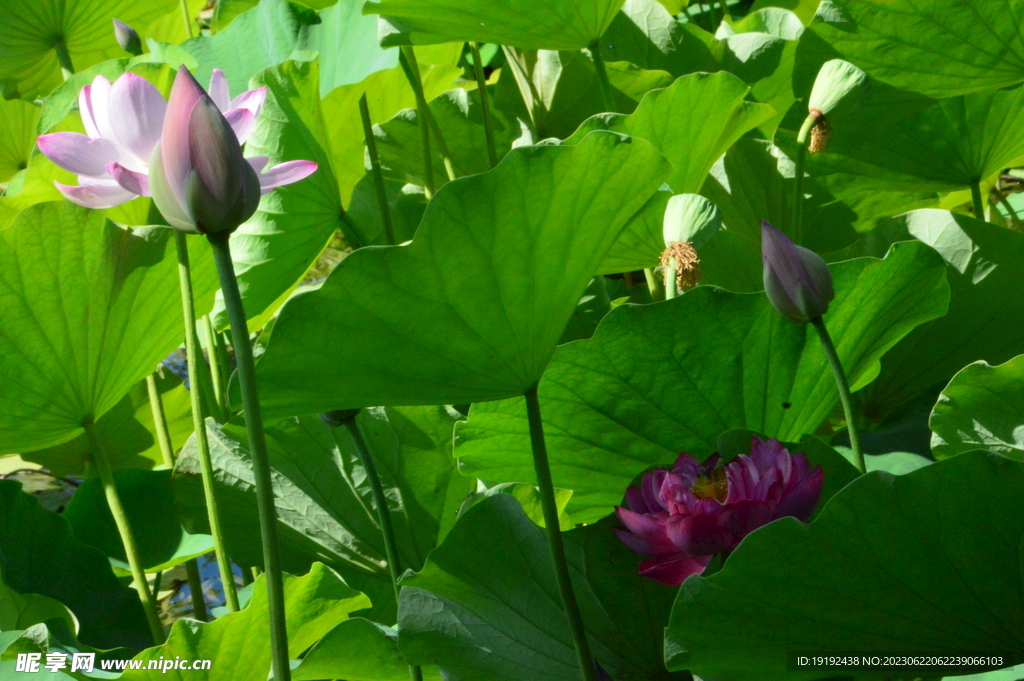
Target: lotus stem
pixel 406 57
pixel 1014 218
pixel 188 20
pixel 485 103
pixel 844 390
pixel 671 291
pixel 223 364
pixel 607 98
pixel 976 200
pixel 98 455
pixel 550 509
pixel 652 284
pixel 802 139
pixel 417 84
pixel 217 376
pixel 195 358
pixel 220 242
pixel 724 7
pixel 163 437
pixel 383 513
pixel 378 174
pixel 67 69
pixel 195 585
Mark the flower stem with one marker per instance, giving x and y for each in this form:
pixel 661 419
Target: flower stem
pixel 195 585
pixel 195 358
pixel 223 364
pixel 442 146
pixel 258 450
pixel 184 14
pixel 802 139
pixel 67 69
pixel 607 98
pixel 407 58
pixel 131 549
pixel 163 438
pixel 485 103
pixel 976 200
pixel 652 285
pixel 378 174
pixel 725 10
pixel 550 509
pixel 670 280
pixel 844 390
pixel 217 376
pixel 383 513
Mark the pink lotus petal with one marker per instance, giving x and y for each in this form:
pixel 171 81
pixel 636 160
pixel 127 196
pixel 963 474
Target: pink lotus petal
pixel 136 115
pixel 163 195
pixel 219 91
pixel 76 152
pixel 258 163
pixel 95 195
pixel 687 467
pixel 135 182
pixel 174 141
pixel 85 109
pixel 675 568
pixel 635 500
pixel 242 122
pixel 99 99
pixel 699 535
pixel 252 100
pixel 641 545
pixel 801 501
pixel 285 173
pixel 746 516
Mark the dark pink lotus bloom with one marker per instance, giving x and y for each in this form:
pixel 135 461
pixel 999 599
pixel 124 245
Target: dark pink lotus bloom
pixel 681 518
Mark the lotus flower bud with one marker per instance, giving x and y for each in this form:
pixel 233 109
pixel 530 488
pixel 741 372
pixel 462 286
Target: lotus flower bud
pixel 840 86
pixel 797 280
pixel 127 38
pixel 200 181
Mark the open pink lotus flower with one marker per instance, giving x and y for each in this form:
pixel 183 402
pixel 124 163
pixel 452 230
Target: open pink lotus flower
pixel 681 518
pixel 123 122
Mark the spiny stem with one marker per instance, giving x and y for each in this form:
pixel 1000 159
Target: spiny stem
pixel 407 58
pixel 195 585
pixel 378 174
pixel 67 69
pixel 217 376
pixel 607 97
pixel 798 184
pixel 163 437
pixel 485 103
pixel 184 14
pixel 99 456
pixel 844 390
pixel 550 509
pixel 976 200
pixel 258 451
pixel 194 355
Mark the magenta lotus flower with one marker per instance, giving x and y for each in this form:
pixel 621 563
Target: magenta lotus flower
pixel 681 518
pixel 123 123
pixel 796 280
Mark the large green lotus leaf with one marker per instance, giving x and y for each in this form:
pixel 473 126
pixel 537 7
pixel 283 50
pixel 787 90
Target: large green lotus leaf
pixel 527 24
pixel 985 310
pixel 765 63
pixel 355 650
pixel 486 605
pixel 803 9
pixel 659 379
pixel 149 502
pixel 127 431
pixel 324 502
pixel 170 28
pixel 472 309
pixel 21 611
pixel 692 122
pixel 272 31
pixel 923 562
pixel 17 136
pixel 39 554
pixel 981 408
pixel 941 48
pixel 29 29
pixel 87 310
pixel 237 642
pixel 646 34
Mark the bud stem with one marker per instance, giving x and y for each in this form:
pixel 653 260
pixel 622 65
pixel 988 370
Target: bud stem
pixel 844 390
pixel 220 243
pixel 156 405
pixel 485 103
pixel 217 374
pixel 98 455
pixel 67 69
pixel 977 201
pixel 798 185
pixel 197 376
pixel 412 75
pixel 195 586
pixel 652 284
pixel 671 291
pixel 378 174
pixel 550 509
pixel 188 29
pixel 607 97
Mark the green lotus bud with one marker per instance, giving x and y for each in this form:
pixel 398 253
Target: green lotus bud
pixel 839 84
pixel 690 221
pixel 127 38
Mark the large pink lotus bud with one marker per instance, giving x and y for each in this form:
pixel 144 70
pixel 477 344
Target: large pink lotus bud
pixel 796 280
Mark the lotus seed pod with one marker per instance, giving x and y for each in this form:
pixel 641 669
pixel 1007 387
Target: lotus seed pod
pixel 127 38
pixel 839 84
pixel 690 218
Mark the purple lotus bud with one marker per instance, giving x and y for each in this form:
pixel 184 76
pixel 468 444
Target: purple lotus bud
pixel 679 518
pixel 796 280
pixel 127 38
pixel 198 177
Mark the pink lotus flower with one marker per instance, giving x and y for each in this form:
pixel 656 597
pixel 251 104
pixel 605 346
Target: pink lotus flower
pixel 123 123
pixel 681 518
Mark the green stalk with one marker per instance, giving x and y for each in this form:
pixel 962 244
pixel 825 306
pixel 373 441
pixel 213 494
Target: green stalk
pixel 184 14
pixel 550 509
pixel 67 69
pixel 652 284
pixel 798 184
pixel 383 513
pixel 406 57
pixel 378 174
pixel 258 450
pixel 670 280
pixel 163 437
pixel 417 84
pixel 724 8
pixel 223 365
pixel 195 585
pixel 1014 218
pixel 485 103
pixel 195 359
pixel 217 376
pixel 607 98
pixel 976 200
pixel 844 390
pixel 99 456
